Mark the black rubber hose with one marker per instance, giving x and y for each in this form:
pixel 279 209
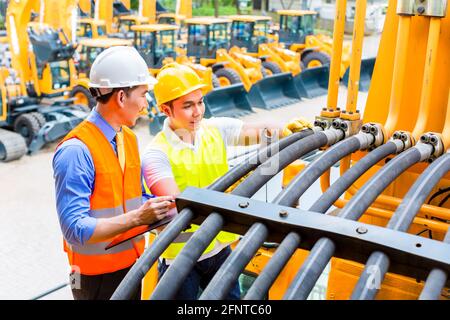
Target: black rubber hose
pixel 229 271
pixel 278 162
pixel 377 265
pixel 132 280
pixel 177 272
pixel 324 248
pixel 269 274
pixel 237 172
pixel 333 193
pixel 298 186
pixel 435 281
pixel 290 243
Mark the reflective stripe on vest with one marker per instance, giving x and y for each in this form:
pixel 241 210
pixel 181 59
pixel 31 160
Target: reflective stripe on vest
pixel 197 169
pixel 114 193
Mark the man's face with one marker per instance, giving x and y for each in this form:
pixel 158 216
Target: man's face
pixel 133 104
pixel 186 112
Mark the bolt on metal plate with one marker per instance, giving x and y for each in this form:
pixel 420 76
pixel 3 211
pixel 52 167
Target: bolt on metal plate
pixel 362 230
pixel 243 205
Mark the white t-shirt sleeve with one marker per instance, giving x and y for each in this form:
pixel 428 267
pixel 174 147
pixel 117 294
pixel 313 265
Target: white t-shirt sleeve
pixel 155 166
pixel 229 128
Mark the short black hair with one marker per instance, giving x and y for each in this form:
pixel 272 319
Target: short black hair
pixel 103 99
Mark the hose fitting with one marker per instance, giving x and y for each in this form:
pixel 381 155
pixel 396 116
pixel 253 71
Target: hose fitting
pixel 349 127
pixel 377 131
pixel 435 140
pixel 403 139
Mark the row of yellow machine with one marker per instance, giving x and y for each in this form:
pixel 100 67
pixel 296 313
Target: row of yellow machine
pixel 245 64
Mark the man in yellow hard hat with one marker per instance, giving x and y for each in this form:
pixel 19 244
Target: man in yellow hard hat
pixel 191 151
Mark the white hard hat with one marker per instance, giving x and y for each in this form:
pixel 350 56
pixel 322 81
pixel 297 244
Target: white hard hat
pixel 119 67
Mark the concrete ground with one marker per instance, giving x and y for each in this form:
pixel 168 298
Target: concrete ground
pixel 31 252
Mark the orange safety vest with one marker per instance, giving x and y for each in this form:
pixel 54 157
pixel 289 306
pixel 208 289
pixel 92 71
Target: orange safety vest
pixel 114 194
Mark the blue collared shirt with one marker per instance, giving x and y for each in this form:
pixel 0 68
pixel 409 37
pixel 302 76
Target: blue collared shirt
pixel 74 175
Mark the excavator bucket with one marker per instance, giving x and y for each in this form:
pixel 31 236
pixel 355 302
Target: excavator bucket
pixel 312 82
pixel 367 66
pixel 229 101
pixel 275 91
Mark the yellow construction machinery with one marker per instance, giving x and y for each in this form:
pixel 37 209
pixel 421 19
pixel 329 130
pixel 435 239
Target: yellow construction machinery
pixel 208 42
pixel 251 33
pixel 296 31
pixel 34 89
pixel 389 236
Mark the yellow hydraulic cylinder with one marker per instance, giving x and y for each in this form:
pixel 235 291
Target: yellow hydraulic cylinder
pixel 147 9
pixel 446 131
pixel 184 8
pixel 355 63
pixel 338 39
pixel 427 112
pixel 399 78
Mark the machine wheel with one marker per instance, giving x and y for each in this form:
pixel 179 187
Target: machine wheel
pixel 83 96
pixel 227 76
pixel 12 146
pixel 264 72
pixel 302 65
pixel 316 59
pixel 39 117
pixel 27 126
pixel 271 67
pixel 215 81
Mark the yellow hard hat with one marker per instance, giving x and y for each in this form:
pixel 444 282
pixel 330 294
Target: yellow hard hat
pixel 174 81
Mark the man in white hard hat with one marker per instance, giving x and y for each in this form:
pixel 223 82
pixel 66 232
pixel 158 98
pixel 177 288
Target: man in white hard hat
pixel 97 173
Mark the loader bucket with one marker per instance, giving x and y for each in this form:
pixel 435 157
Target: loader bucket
pixel 312 82
pixel 275 91
pixel 229 101
pixel 367 66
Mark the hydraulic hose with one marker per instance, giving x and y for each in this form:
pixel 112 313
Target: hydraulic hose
pixel 228 273
pixel 327 199
pixel 133 279
pixel 269 274
pixel 191 252
pixel 324 248
pixel 279 259
pixel 435 281
pixel 230 270
pixel 378 263
pixel 298 186
pixel 275 164
pixel 261 156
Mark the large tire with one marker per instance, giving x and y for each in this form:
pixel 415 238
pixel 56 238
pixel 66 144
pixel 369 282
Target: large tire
pixel 227 76
pixel 39 117
pixel 12 146
pixel 83 96
pixel 302 65
pixel 271 67
pixel 316 59
pixel 27 126
pixel 215 81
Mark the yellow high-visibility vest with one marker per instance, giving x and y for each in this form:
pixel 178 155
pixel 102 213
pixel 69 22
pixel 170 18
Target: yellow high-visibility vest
pixel 196 169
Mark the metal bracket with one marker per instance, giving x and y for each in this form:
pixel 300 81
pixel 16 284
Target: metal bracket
pixel 429 8
pixel 349 127
pixel 410 255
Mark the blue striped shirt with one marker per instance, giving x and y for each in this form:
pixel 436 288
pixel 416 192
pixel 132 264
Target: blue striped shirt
pixel 74 175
